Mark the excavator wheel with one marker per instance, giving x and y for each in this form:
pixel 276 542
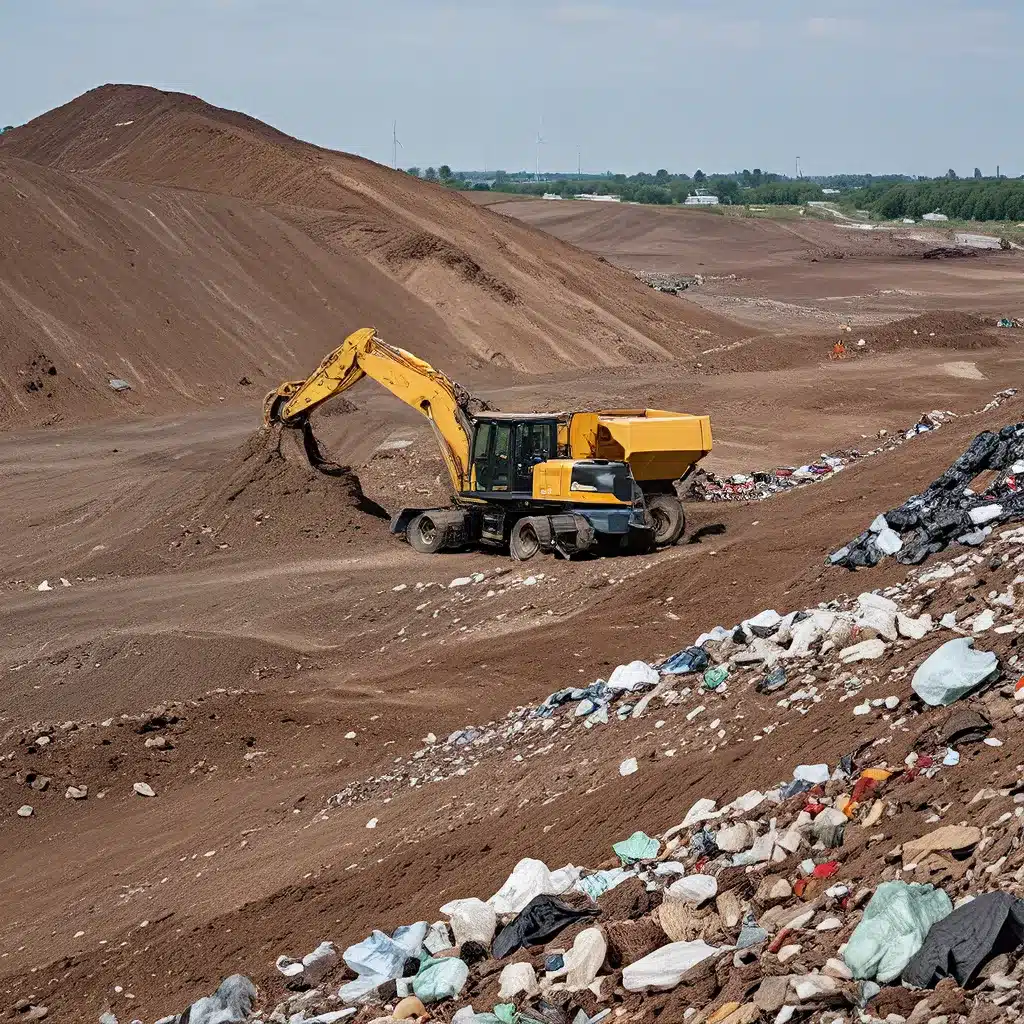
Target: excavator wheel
pixel 528 537
pixel 425 535
pixel 667 517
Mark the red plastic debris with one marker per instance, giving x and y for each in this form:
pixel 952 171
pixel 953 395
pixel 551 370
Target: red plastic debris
pixel 826 870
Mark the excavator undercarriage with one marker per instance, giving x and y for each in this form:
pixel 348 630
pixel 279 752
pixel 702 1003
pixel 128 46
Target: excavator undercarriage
pixel 553 483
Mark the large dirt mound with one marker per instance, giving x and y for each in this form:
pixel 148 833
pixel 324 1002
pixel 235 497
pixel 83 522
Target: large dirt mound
pixel 484 290
pixel 189 297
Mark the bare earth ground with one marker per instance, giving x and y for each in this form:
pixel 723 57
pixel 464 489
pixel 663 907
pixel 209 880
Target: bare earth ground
pixel 780 274
pixel 224 597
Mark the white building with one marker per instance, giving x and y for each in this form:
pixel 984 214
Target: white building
pixel 552 195
pixel 700 197
pixel 831 191
pixel 599 199
pixel 935 216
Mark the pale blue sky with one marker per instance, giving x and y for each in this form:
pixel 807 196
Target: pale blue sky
pixel 914 86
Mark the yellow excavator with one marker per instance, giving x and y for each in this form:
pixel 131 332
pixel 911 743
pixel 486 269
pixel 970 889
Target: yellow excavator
pixel 532 482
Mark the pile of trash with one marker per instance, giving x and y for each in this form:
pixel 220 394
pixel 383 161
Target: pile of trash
pixel 669 283
pixel 949 508
pixel 756 486
pixel 881 887
pixel 1007 321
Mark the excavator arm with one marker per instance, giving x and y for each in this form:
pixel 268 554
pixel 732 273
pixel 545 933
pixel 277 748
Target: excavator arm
pixel 414 381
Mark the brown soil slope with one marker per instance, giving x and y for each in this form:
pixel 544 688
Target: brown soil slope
pixel 508 294
pixel 180 293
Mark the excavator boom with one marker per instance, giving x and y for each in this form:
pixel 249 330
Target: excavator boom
pixel 414 381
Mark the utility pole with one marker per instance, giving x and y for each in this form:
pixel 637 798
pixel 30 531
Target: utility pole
pixel 798 167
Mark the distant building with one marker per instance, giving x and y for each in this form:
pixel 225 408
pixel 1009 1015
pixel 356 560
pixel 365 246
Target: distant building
pixel 935 216
pixel 831 191
pixel 701 197
pixel 552 195
pixel 599 199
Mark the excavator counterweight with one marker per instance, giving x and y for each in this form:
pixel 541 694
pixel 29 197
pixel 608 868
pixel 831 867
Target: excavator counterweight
pixel 552 482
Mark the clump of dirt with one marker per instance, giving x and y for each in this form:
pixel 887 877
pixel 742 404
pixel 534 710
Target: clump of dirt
pixel 278 489
pixel 423 246
pixel 937 330
pixel 276 493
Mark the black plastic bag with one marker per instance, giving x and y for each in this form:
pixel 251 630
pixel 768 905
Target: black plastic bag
pixel 539 921
pixel 958 945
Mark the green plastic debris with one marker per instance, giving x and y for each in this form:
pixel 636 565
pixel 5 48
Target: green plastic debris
pixel 440 979
pixel 715 676
pixel 894 927
pixel 639 846
pixel 506 1013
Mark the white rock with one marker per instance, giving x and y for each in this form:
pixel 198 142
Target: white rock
pixel 372 823
pixel 143 789
pixel 628 767
pixel 695 889
pixel 76 792
pixel 733 838
pixel 878 524
pixel 813 986
pixel 25 811
pixel 835 968
pixel 518 979
pixel 877 613
pixel 866 650
pixel 788 952
pixel 472 920
pixel 913 629
pixel 460 581
pixel 985 514
pixel 829 924
pixel 888 542
pixel 892 703
pixel 983 621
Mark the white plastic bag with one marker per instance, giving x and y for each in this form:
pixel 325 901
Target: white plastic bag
pixel 665 967
pixel 531 878
pixel 952 671
pixel 633 676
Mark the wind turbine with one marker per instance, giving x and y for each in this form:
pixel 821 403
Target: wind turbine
pixel 394 145
pixel 540 142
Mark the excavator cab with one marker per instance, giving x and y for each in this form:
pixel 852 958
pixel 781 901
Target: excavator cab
pixel 506 449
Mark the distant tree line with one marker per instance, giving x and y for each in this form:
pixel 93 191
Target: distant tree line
pixel 960 199
pixel 891 196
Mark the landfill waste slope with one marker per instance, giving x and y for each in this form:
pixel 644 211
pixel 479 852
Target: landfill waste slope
pixel 761 484
pixel 753 897
pixel 950 508
pixel 810 896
